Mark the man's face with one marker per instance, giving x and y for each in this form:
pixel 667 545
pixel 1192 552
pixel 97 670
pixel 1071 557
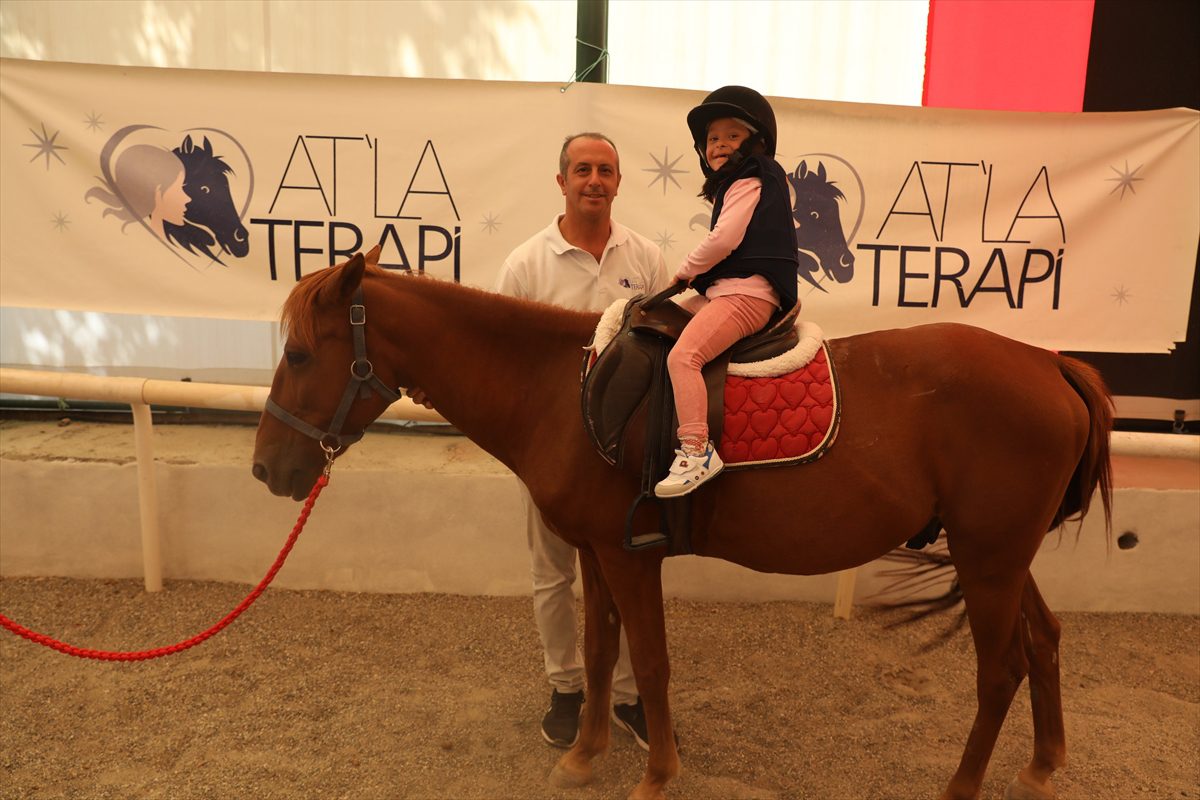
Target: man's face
pixel 592 178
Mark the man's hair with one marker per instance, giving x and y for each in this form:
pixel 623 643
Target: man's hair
pixel 564 162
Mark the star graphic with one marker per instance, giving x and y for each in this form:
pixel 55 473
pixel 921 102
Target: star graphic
pixel 46 146
pixel 490 223
pixel 1121 295
pixel 1125 179
pixel 664 240
pixel 60 221
pixel 94 121
pixel 664 171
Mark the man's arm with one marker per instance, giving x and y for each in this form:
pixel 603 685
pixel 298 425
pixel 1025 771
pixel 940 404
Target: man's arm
pixel 659 277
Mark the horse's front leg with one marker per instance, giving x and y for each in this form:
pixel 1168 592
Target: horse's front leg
pixel 601 643
pixel 635 580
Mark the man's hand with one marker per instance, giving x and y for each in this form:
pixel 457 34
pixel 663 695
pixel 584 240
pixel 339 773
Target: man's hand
pixel 418 397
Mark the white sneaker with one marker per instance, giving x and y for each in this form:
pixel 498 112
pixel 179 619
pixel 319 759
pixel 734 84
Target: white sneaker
pixel 688 472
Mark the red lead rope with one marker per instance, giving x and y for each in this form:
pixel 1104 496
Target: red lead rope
pixel 144 655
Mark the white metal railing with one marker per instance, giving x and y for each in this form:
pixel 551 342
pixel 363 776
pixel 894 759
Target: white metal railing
pixel 141 393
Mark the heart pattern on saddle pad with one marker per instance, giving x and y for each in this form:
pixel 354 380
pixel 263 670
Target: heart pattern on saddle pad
pixel 790 418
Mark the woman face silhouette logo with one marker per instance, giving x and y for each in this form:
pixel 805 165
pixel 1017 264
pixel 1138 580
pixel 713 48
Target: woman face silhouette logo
pixel 184 195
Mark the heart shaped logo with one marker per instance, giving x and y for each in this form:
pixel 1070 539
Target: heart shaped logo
pixel 190 189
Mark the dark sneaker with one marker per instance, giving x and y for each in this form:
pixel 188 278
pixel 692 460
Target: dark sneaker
pixel 560 726
pixel 632 719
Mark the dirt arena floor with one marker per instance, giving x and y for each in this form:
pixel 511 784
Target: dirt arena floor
pixel 327 695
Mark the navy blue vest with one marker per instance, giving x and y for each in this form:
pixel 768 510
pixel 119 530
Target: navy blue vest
pixel 769 246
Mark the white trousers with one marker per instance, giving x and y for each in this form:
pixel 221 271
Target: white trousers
pixel 553 569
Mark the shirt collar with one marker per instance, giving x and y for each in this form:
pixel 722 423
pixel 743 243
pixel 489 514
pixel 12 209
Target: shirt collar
pixel 618 235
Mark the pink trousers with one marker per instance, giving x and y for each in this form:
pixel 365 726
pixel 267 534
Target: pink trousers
pixel 716 326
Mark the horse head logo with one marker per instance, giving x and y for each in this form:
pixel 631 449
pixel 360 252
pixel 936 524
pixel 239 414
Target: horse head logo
pixel 180 195
pixel 820 240
pixel 211 218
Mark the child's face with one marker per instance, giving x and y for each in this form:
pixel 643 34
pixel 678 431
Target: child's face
pixel 724 136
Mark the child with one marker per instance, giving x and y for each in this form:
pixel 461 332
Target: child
pixel 744 270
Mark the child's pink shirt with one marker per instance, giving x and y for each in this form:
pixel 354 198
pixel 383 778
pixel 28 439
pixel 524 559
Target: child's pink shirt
pixel 740 201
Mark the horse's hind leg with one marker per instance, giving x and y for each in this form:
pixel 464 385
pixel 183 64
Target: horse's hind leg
pixel 1040 633
pixel 992 591
pixel 601 644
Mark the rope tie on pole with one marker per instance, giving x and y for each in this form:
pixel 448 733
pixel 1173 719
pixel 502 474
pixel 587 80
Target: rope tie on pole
pixel 158 652
pixel 576 77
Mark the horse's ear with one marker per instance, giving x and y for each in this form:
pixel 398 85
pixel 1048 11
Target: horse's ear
pixel 802 170
pixel 372 256
pixel 207 146
pixel 341 287
pixel 187 146
pixel 821 170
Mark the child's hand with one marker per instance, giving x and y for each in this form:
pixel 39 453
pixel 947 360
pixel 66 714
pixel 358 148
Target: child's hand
pixel 418 397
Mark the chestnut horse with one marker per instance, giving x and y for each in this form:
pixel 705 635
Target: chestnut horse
pixel 998 440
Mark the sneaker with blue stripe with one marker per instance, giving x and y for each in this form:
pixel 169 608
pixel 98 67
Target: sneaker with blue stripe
pixel 688 472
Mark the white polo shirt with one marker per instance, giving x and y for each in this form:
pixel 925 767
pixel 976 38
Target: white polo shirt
pixel 548 269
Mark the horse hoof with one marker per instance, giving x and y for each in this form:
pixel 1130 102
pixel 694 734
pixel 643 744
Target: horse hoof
pixel 565 776
pixel 644 791
pixel 1022 788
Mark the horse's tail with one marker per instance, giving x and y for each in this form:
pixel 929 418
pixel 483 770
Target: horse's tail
pixel 1094 469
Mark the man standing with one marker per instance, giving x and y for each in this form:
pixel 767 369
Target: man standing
pixel 582 260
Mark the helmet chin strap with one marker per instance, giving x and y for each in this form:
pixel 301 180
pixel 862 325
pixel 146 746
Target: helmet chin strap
pixel 734 158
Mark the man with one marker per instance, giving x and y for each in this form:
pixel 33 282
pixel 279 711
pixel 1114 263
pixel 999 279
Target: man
pixel 582 260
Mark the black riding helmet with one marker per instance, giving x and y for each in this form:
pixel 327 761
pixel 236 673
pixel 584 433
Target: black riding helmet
pixel 738 102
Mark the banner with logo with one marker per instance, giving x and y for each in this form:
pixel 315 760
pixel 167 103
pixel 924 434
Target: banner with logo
pixel 204 193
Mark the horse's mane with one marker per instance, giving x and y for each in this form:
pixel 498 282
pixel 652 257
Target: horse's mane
pixel 298 320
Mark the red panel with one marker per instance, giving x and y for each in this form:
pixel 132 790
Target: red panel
pixel 1010 55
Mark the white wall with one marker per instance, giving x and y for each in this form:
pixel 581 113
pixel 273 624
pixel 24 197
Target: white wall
pixel 437 514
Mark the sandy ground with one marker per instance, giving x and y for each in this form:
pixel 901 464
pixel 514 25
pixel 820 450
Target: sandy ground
pixel 326 695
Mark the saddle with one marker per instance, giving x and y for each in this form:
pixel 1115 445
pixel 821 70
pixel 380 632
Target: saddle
pixel 628 405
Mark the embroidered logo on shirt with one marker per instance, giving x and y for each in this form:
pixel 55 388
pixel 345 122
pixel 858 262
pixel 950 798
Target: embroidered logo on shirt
pixel 634 284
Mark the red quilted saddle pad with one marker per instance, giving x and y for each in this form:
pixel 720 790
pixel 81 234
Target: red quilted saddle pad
pixel 791 418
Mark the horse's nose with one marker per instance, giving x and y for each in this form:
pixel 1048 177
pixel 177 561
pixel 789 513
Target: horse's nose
pixel 260 471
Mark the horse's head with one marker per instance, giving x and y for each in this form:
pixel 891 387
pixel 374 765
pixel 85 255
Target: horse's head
pixel 818 221
pixel 211 218
pixel 325 391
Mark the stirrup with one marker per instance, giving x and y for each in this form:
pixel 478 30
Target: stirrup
pixel 643 541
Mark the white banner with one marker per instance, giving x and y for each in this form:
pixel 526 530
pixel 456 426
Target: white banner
pixel 199 193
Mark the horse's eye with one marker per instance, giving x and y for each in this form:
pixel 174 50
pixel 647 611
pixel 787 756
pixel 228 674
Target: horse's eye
pixel 204 189
pixel 295 358
pixel 815 215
